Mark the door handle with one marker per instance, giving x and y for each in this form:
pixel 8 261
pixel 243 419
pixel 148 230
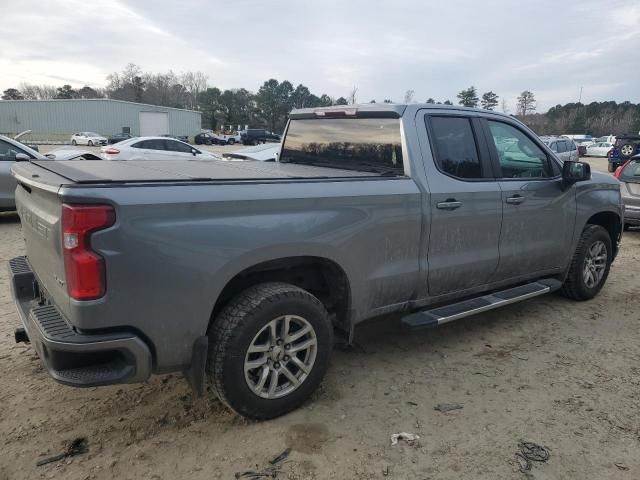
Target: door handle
pixel 449 204
pixel 515 200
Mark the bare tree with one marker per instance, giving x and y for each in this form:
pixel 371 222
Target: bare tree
pixel 37 92
pixel 505 105
pixel 352 96
pixel 408 96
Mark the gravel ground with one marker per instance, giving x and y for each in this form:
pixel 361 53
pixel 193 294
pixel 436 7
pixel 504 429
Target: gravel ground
pixel 565 375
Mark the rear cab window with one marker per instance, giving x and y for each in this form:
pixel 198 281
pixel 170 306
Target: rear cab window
pixel 362 144
pixel 455 148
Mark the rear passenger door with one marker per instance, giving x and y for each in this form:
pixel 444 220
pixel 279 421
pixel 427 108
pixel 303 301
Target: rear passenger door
pixel 538 211
pixel 465 205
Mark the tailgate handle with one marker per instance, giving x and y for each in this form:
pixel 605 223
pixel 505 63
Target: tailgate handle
pixel 449 204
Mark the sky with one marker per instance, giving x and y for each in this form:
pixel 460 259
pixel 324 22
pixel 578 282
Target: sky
pixel 382 47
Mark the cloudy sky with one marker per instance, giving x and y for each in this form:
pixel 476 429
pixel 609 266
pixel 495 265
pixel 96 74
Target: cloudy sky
pixel 384 47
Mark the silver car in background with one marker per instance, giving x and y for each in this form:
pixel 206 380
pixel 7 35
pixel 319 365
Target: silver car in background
pixel 10 152
pixel 564 148
pixel 629 176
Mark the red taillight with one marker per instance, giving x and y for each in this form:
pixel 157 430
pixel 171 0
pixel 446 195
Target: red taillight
pixel 111 151
pixel 84 269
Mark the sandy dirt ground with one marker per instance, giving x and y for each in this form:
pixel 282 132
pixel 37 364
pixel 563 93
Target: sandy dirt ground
pixel 565 375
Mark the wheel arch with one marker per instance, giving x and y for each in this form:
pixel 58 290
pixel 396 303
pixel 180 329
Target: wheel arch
pixel 612 223
pixel 320 276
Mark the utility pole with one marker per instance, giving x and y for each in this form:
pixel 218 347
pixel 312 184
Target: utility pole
pixel 580 99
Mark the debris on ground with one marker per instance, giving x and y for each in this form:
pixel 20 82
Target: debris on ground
pixel 531 452
pixel 621 466
pixel 447 407
pixel 280 457
pixel 77 446
pixel 271 471
pixel 407 437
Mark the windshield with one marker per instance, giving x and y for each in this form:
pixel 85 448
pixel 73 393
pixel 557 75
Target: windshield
pixel 363 144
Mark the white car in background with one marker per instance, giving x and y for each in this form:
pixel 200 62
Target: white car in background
pixel 267 152
pixel 598 149
pixel 89 139
pixel 154 148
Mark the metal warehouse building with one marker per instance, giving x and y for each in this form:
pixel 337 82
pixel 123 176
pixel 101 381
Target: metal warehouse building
pixel 56 120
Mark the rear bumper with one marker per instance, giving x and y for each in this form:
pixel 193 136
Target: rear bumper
pixel 70 357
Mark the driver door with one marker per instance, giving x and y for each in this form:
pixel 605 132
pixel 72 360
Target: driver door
pixel 538 211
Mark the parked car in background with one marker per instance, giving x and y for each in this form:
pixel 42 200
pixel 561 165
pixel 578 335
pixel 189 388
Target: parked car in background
pixel 580 139
pixel 253 136
pixel 153 148
pixel 606 138
pixel 88 138
pixel 598 149
pixel 629 176
pixel 182 138
pixel 563 147
pixel 61 154
pixel 625 147
pixel 204 138
pixel 118 137
pixel 227 139
pixel 260 153
pixel 30 145
pixel 10 152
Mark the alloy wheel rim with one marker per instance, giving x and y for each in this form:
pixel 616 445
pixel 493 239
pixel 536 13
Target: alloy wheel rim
pixel 626 150
pixel 280 357
pixel 595 263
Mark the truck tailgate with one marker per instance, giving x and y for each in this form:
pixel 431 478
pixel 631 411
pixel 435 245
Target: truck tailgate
pixel 40 211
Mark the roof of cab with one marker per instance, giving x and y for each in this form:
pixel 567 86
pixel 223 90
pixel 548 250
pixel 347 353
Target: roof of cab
pixel 384 109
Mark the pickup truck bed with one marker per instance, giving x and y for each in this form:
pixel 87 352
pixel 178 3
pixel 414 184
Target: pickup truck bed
pixel 104 172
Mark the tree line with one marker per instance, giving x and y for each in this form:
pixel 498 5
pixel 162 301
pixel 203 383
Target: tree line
pixel 270 105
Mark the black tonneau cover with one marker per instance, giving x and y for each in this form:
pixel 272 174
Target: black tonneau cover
pixel 144 171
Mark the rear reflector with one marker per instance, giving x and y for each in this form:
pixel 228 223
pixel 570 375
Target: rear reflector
pixel 84 268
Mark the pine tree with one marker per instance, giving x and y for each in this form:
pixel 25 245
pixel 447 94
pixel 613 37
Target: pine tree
pixel 489 100
pixel 468 97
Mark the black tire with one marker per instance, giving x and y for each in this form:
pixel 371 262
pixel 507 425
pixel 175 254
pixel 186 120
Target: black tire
pixel 612 167
pixel 89 143
pixel 627 150
pixel 231 141
pixel 574 286
pixel 233 331
pixel 74 143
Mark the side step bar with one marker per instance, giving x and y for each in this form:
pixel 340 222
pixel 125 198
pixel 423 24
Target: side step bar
pixel 454 311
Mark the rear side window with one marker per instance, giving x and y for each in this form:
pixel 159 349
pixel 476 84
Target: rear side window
pixel 362 144
pixel 8 152
pixel 177 147
pixel 155 144
pixel 562 146
pixel 455 147
pixel 518 155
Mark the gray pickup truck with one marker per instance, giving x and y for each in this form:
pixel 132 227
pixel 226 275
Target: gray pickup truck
pixel 242 274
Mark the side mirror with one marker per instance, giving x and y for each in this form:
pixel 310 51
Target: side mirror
pixel 22 157
pixel 573 172
pixel 194 152
pixel 277 156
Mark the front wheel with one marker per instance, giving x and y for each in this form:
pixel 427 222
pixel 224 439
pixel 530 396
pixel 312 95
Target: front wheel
pixel 74 143
pixel 612 167
pixel 90 143
pixel 590 264
pixel 231 141
pixel 269 349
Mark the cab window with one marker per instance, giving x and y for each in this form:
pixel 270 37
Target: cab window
pixel 518 155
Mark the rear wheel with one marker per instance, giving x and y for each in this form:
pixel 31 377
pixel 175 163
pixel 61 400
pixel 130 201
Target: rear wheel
pixel 90 143
pixel 231 141
pixel 74 143
pixel 590 264
pixel 269 350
